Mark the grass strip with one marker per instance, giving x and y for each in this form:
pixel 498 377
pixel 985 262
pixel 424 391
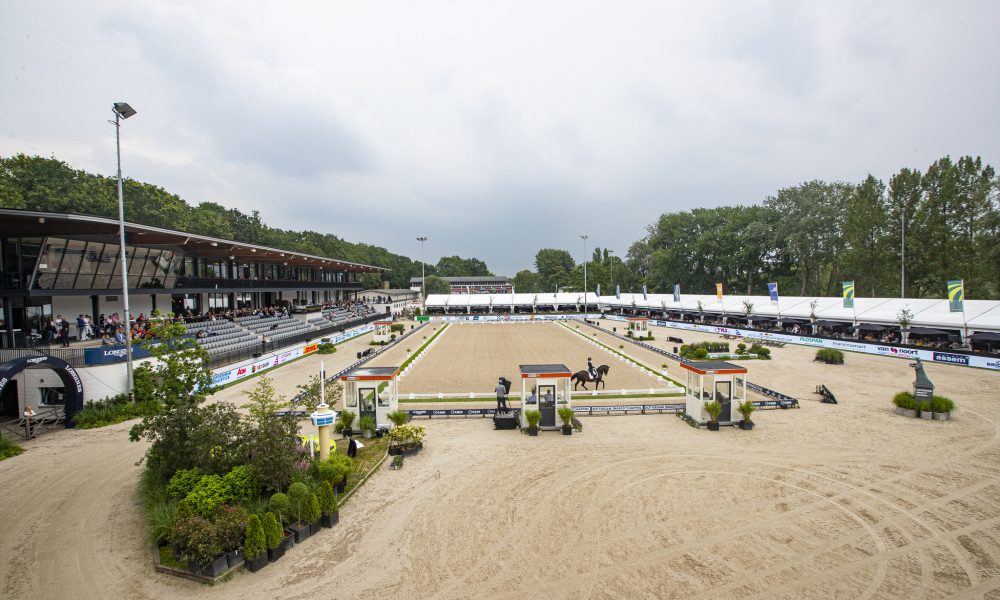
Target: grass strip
pixel 625 356
pixel 414 356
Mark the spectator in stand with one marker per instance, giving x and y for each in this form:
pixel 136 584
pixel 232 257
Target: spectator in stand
pixel 88 326
pixel 80 325
pixel 106 340
pixel 119 335
pixel 64 333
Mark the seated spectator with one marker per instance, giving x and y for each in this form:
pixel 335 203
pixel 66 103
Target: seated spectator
pixel 201 334
pixel 106 340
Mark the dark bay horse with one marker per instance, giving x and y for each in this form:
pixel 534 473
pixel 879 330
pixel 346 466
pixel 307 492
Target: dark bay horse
pixel 582 377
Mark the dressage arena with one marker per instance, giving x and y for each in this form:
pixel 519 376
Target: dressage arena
pixel 828 501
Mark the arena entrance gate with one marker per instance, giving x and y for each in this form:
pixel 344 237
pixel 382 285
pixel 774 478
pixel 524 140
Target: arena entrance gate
pixel 73 387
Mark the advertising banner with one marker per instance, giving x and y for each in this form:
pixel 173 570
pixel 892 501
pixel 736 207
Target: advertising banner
pixel 848 293
pixel 956 295
pixel 113 354
pixel 718 291
pixel 677 292
pixel 772 291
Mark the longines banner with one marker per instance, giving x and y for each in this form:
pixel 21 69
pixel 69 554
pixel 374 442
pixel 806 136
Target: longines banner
pixel 248 368
pixel 982 362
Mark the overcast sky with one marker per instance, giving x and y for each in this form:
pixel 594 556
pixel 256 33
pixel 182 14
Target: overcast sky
pixel 497 128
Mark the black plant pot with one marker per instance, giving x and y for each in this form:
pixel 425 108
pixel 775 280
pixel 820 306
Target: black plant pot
pixel 194 568
pixel 532 431
pixel 176 551
pixel 302 532
pixel 746 425
pixel 713 425
pixel 257 564
pixel 331 519
pixel 315 526
pixel 394 450
pixel 233 558
pixel 216 567
pixel 273 554
pixel 567 430
pixel 342 485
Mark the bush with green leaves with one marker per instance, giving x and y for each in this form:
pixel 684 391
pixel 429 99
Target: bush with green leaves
pixel 741 348
pixel 533 417
pixel 115 409
pixel 367 424
pixel 272 531
pixel 334 468
pixel 208 496
pixel 281 506
pixel 746 409
pixel 326 348
pixel 344 420
pixel 566 414
pixel 905 401
pixel 397 327
pixel 230 524
pixel 161 516
pixel 269 441
pixel 700 353
pixel 327 499
pixel 310 509
pixel 297 493
pixel 243 483
pixel 407 433
pixel 830 356
pixel 940 404
pixel 196 539
pixel 254 543
pixel 398 417
pixel 183 481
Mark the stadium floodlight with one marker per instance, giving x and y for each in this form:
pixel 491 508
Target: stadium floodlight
pixel 423 289
pixel 122 110
pixel 584 238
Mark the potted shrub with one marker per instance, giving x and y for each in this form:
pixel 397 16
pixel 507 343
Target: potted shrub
pixel 199 545
pixel 925 410
pixel 741 348
pixel 406 439
pixel 903 402
pixel 282 508
pixel 533 417
pixel 398 417
pixel 274 537
pixel 713 409
pixel 328 505
pixel 335 470
pixel 230 526
pixel 566 414
pixel 942 407
pixel 311 513
pixel 297 493
pixel 367 426
pixel 254 545
pixel 344 422
pixel 746 409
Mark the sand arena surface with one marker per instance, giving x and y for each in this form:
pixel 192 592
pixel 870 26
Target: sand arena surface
pixel 471 357
pixel 845 501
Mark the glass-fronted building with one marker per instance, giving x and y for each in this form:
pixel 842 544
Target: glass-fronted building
pixel 68 264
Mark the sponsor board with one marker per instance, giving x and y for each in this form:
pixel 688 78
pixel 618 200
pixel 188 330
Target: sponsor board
pixel 955 359
pixel 104 356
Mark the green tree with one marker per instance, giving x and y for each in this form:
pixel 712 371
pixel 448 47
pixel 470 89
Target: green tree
pixel 554 268
pixel 269 443
pixel 525 282
pixel 869 257
pixel 435 285
pixel 456 266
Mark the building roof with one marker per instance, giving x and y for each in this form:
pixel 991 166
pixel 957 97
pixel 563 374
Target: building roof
pixel 39 223
pixel 470 279
pixel 549 370
pixel 370 374
pixel 713 366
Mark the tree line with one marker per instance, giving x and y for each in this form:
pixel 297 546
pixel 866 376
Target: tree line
pixel 937 225
pixel 48 184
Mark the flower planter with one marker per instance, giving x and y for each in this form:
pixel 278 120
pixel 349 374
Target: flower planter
pixel 233 558
pixel 533 431
pixel 340 487
pixel 746 425
pixel 395 450
pixel 216 567
pixel 942 416
pixel 331 519
pixel 713 425
pixel 367 435
pixel 900 410
pixel 315 526
pixel 176 552
pixel 909 412
pixel 926 415
pixel 302 532
pixel 567 429
pixel 256 564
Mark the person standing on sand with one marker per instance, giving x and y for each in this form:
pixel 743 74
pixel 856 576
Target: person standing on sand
pixel 501 391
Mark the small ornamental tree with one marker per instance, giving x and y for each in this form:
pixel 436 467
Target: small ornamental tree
pixel 230 525
pixel 270 440
pixel 281 506
pixel 327 499
pixel 254 545
pixel 272 531
pixel 311 511
pixel 334 469
pixel 297 493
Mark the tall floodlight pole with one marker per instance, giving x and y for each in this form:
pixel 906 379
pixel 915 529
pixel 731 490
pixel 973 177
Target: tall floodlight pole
pixel 611 260
pixel 902 250
pixel 423 289
pixel 123 111
pixel 584 238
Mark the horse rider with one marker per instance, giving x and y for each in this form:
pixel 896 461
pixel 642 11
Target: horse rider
pixel 591 370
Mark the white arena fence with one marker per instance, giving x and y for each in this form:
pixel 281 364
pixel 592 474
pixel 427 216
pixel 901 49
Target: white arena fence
pixel 951 358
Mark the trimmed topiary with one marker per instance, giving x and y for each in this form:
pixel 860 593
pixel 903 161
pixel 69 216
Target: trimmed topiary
pixel 272 531
pixel 254 545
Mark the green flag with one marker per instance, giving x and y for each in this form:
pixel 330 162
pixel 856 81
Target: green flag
pixel 848 294
pixel 956 295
